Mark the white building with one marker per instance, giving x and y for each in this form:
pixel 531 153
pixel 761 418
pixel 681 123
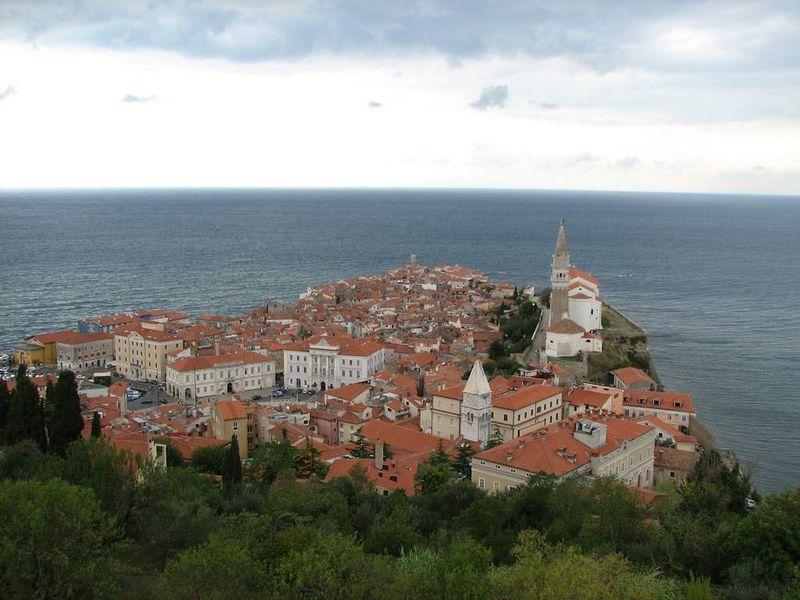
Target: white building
pixel 331 362
pixel 476 406
pixel 200 377
pixel 575 306
pixel 84 351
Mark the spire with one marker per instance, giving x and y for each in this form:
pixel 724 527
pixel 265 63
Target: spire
pixel 561 242
pixel 477 383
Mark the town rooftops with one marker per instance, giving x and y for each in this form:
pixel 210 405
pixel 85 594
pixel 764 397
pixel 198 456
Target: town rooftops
pixel 153 335
pixel 196 363
pixel 525 397
pixel 582 397
pixel 576 273
pixel 348 392
pixel 674 401
pixel 230 410
pixel 84 338
pixel 631 375
pixel 53 336
pixel 554 449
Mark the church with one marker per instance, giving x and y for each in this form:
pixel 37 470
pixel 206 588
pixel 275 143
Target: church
pixel 575 316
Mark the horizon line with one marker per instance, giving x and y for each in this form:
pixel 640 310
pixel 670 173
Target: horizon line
pixel 146 188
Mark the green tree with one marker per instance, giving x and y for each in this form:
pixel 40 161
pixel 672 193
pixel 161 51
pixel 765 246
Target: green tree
pixel 109 473
pixel 462 464
pixel 308 463
pixel 232 471
pixel 272 460
pixel 5 402
pixel 771 535
pixel 53 542
pixel 209 459
pixel 434 473
pixel 171 512
pixel 497 350
pixel 25 420
pixel 96 427
pixel 362 448
pixel 66 423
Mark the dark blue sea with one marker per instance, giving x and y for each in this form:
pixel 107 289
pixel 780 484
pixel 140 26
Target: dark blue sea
pixel 715 280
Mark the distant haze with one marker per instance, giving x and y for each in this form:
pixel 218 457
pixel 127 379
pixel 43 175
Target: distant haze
pixel 659 96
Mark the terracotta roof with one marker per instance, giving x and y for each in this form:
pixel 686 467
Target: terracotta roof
pixel 538 453
pixel 348 392
pixel 208 362
pixel 454 393
pixel 525 397
pixel 575 273
pixel 565 326
pixel 671 458
pixel 54 336
pixel 658 400
pixel 581 397
pixel 402 438
pixel 630 375
pixel 83 338
pixel 230 410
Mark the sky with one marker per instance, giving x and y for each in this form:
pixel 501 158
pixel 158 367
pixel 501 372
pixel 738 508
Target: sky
pixel 623 95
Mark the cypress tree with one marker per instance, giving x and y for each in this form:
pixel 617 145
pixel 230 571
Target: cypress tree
pixel 96 425
pixel 232 468
pixel 5 401
pixel 463 461
pixel 25 413
pixel 66 423
pixel 49 401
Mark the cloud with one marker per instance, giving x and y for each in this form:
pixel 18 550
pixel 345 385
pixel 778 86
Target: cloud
pixel 7 92
pixel 546 105
pixel 629 162
pixel 492 97
pixel 374 104
pixel 748 35
pixel 139 99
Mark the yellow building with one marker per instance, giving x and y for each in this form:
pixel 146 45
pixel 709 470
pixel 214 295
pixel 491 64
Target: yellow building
pixel 142 353
pixel 40 349
pixel 231 418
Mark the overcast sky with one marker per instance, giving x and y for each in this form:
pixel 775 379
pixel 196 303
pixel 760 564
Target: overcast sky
pixel 619 95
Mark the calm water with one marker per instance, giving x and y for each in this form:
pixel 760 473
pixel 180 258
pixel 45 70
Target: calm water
pixel 715 280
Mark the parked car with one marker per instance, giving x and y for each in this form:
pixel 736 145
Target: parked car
pixel 256 397
pixel 277 393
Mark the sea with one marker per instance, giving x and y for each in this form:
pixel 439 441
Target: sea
pixel 715 280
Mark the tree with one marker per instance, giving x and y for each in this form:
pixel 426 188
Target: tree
pixel 232 469
pixel 25 419
pixel 96 427
pixel 495 438
pixel 5 401
pixel 362 449
pixel 209 459
pixel 497 350
pixel 307 462
pixel 434 473
pixel 66 423
pixel 53 542
pixel 271 461
pixel 463 461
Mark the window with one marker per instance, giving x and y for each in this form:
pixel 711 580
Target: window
pixel 235 425
pixel 481 483
pixel 505 417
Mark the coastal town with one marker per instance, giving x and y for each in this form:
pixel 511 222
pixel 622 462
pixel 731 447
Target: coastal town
pixel 381 372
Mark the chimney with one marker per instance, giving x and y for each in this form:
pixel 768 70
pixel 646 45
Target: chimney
pixel 379 455
pixel 509 456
